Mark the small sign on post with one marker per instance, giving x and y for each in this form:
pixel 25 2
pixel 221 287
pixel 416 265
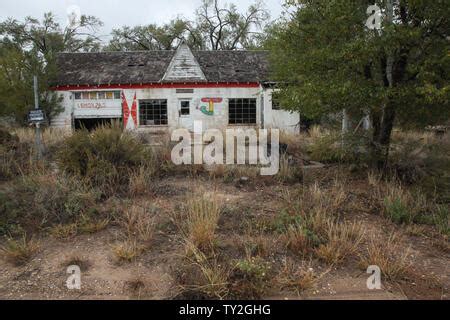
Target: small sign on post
pixel 36 116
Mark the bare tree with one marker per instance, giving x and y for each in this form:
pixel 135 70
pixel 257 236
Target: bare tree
pixel 224 28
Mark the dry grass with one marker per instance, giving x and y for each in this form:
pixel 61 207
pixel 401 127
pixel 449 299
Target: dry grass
pixel 389 255
pixel 50 136
pixel 141 180
pixel 342 240
pixel 138 222
pixel 250 278
pixel 77 260
pixel 64 231
pixel 89 225
pixel 207 276
pixel 127 250
pixel 289 173
pixel 400 205
pixel 297 239
pixel 201 221
pixel 300 278
pixel 19 252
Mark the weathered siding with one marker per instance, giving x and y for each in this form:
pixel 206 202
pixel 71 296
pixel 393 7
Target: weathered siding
pixel 184 66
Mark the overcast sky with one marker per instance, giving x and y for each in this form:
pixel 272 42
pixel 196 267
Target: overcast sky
pixel 117 13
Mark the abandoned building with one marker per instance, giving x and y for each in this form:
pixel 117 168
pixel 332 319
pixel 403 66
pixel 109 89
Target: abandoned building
pixel 165 90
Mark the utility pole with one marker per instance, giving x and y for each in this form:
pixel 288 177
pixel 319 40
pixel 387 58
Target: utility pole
pixel 38 125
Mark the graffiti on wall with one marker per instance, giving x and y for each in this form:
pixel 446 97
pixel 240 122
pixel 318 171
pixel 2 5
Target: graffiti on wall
pixel 207 106
pixel 127 112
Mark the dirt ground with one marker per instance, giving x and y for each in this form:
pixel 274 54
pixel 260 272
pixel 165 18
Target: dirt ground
pixel 151 275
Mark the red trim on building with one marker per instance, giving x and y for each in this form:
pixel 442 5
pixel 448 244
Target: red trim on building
pixel 157 86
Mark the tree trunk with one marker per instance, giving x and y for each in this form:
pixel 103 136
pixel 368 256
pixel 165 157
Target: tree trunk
pixel 382 137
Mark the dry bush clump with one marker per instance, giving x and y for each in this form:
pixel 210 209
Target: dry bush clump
pixel 43 201
pixel 64 231
pixel 127 250
pixel 139 222
pixel 50 136
pixel 250 278
pixel 19 252
pixel 18 158
pixel 138 230
pixel 389 255
pixel 342 239
pixel 142 180
pixel 300 278
pixel 406 207
pixel 289 173
pixel 202 217
pixel 201 277
pixel 298 239
pixel 106 158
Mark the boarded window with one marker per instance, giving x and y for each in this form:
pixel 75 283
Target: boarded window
pixel 242 111
pixel 85 95
pixel 93 95
pixel 153 112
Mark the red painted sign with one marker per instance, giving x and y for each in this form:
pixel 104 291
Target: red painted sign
pixel 126 110
pixel 213 100
pixel 134 111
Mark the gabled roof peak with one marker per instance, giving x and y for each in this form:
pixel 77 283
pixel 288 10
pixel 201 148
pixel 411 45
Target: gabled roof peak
pixel 184 66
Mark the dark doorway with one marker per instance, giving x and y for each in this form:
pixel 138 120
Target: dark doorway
pixel 93 123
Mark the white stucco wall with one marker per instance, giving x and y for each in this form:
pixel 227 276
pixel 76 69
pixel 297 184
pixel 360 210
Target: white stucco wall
pixel 112 108
pixel 281 119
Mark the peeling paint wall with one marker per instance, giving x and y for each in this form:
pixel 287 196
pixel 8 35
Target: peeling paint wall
pixel 218 120
pixel 281 119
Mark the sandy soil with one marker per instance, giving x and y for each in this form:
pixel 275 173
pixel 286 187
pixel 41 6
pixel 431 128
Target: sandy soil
pixel 151 275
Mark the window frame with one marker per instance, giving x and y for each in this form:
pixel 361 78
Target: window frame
pixel 248 111
pixel 188 108
pixel 163 103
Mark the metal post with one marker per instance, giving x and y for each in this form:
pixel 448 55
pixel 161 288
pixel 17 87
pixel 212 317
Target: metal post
pixel 38 129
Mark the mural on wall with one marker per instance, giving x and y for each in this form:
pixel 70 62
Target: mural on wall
pixel 209 108
pixel 127 112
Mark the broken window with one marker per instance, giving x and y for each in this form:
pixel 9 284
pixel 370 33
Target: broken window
pixel 153 112
pixel 242 111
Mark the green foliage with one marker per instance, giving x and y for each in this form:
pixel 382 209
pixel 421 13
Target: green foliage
pixel 284 220
pixel 106 158
pixel 326 60
pixel 398 211
pixel 336 148
pixel 249 278
pixel 29 48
